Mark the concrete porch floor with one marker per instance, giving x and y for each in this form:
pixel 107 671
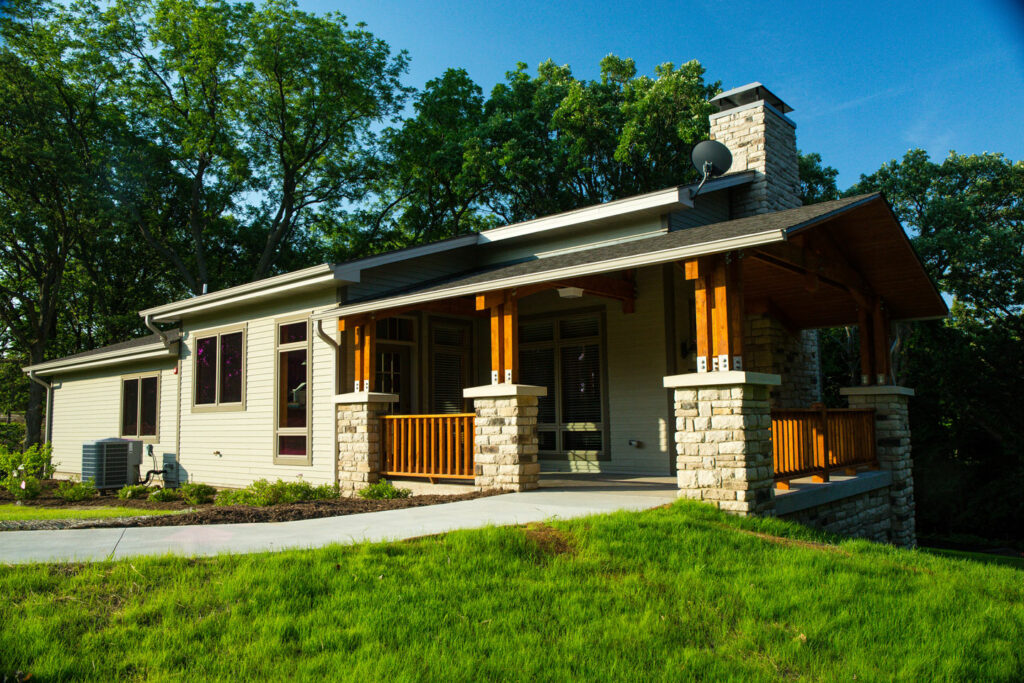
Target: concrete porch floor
pixel 561 497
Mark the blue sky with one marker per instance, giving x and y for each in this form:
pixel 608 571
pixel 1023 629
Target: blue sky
pixel 866 80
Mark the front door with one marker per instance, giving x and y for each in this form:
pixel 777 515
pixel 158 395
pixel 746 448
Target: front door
pixel 394 375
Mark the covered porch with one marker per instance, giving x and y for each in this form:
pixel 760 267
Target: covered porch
pixel 559 362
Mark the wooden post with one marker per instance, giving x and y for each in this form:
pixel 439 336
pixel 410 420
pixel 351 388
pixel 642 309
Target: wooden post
pixel 698 271
pixel 864 332
pixel 880 328
pixel 736 312
pixel 369 354
pixel 497 344
pixel 721 326
pixel 357 355
pixel 821 444
pixel 510 340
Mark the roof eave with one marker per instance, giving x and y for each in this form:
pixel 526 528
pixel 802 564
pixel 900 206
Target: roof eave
pixel 121 356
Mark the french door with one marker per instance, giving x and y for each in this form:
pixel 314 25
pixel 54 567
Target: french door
pixel 566 355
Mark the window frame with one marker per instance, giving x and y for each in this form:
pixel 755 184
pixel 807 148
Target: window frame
pixel 218 332
pixel 293 460
pixel 138 376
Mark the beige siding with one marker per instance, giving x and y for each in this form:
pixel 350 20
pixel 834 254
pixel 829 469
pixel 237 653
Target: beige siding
pixel 636 360
pixel 244 439
pixel 87 406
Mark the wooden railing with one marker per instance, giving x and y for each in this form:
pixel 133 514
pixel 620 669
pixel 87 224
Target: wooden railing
pixel 817 441
pixel 434 446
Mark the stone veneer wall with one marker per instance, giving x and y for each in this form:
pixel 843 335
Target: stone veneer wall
pixel 505 448
pixel 866 515
pixel 760 140
pixel 723 445
pixel 771 348
pixel 892 434
pixel 359 444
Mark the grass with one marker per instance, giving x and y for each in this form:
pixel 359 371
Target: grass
pixel 676 593
pixel 985 558
pixel 9 512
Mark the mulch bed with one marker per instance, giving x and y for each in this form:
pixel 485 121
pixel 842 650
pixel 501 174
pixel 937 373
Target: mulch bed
pixel 213 514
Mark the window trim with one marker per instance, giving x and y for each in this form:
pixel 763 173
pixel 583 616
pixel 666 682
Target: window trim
pixel 218 332
pixel 150 438
pixel 293 460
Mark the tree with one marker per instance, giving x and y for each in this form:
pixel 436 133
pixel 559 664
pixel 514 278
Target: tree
pixel 817 182
pixel 53 134
pixel 247 124
pixel 537 145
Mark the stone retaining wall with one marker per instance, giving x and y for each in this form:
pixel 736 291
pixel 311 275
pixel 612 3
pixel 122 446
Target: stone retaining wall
pixel 866 515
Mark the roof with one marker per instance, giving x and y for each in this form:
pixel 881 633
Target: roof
pixel 742 233
pixel 139 348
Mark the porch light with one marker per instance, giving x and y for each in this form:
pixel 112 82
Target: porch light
pixel 570 292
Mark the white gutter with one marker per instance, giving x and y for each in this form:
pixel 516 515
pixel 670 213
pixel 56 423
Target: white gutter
pixel 148 320
pixel 621 263
pixel 48 424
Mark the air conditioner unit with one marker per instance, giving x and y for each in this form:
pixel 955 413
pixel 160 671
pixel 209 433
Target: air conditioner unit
pixel 111 463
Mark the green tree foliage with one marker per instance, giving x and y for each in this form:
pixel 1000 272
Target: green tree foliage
pixel 966 219
pixel 817 182
pixel 539 144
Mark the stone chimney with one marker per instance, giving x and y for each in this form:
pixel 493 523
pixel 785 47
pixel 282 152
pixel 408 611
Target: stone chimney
pixel 752 122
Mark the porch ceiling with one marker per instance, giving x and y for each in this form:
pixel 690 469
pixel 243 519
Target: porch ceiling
pixel 870 244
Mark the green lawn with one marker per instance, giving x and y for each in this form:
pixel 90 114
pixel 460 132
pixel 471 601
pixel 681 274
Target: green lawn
pixel 671 594
pixel 22 512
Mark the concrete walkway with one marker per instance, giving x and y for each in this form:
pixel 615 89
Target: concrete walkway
pixel 562 498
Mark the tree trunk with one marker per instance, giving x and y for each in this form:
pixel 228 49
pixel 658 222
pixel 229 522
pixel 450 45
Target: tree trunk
pixel 36 402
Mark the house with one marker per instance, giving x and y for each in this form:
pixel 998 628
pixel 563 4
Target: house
pixel 666 333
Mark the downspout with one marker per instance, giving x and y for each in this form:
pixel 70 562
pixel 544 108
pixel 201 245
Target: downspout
pixel 334 416
pixel 157 331
pixel 48 425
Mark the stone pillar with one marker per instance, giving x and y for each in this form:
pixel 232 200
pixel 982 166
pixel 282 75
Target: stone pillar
pixel 505 436
pixel 359 442
pixel 770 348
pixel 892 435
pixel 723 439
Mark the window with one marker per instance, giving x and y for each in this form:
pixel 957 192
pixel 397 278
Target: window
pixel 140 407
pixel 219 370
pixel 292 397
pixel 566 356
pixel 450 366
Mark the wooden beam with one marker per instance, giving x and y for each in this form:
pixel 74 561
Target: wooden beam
pixel 601 285
pixel 734 279
pixel 819 262
pixel 369 355
pixel 691 269
pixel 357 357
pixel 489 300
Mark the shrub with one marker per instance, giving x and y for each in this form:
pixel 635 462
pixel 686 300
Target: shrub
pixel 24 488
pixel 197 494
pixel 37 461
pixel 133 492
pixel 12 435
pixel 384 490
pixel 164 495
pixel 76 491
pixel 261 492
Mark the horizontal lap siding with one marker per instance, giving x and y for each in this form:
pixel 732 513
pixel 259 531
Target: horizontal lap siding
pixel 87 407
pixel 245 438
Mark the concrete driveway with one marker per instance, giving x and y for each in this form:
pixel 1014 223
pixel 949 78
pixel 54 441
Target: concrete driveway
pixel 563 497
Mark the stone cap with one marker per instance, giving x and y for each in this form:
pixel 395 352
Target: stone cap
pixel 877 390
pixel 715 379
pixel 748 94
pixel 366 397
pixel 504 391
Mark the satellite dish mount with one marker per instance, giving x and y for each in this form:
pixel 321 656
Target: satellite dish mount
pixel 711 159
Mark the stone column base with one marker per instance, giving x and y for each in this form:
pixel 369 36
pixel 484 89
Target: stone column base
pixel 505 436
pixel 723 439
pixel 359 440
pixel 892 438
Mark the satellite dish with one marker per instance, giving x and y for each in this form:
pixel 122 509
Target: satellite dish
pixel 711 158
